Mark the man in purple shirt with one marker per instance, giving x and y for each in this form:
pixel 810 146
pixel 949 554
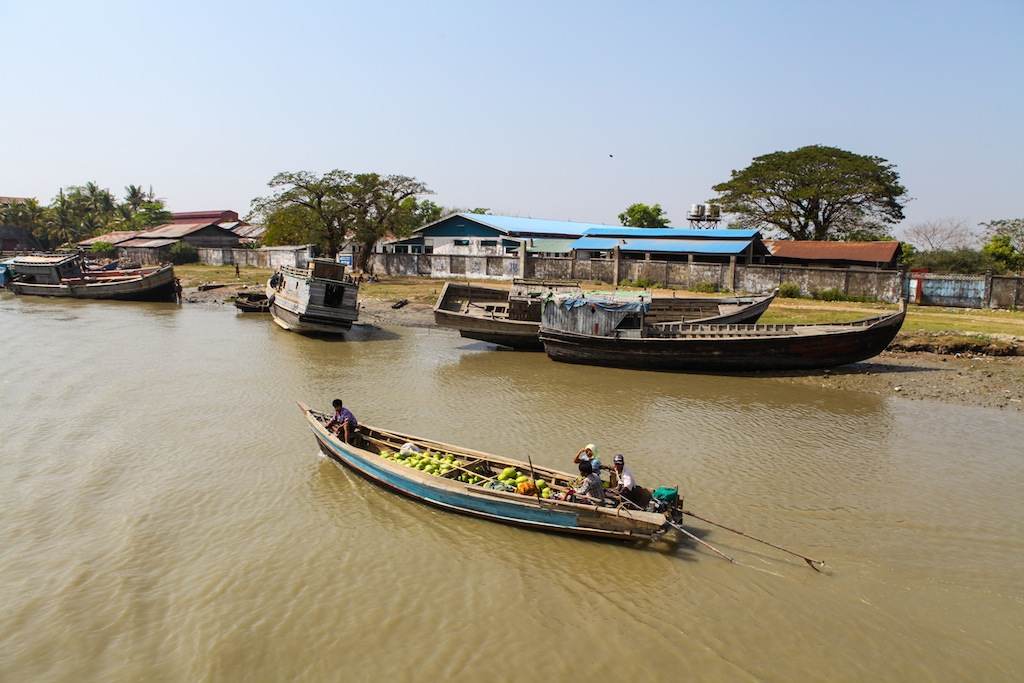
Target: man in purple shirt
pixel 344 419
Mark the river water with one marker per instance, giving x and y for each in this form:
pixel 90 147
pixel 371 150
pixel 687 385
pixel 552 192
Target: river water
pixel 167 516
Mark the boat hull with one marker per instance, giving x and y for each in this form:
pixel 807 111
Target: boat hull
pixel 497 506
pixel 716 348
pixel 315 300
pixel 155 285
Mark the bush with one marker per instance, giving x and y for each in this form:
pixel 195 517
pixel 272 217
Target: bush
pixel 706 287
pixel 789 290
pixel 626 283
pixel 182 252
pixel 644 283
pixel 102 248
pixel 833 294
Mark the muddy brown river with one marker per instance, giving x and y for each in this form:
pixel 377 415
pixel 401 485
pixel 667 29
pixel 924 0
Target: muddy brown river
pixel 167 516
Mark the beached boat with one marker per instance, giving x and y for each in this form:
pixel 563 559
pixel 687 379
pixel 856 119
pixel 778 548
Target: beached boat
pixel 66 275
pixel 250 302
pixel 700 347
pixel 509 317
pixel 513 317
pixel 321 298
pixel 469 482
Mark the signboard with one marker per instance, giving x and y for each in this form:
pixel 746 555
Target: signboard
pixel 345 259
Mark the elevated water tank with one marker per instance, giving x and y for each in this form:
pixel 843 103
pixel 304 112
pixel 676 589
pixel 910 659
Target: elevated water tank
pixel 696 210
pixel 713 210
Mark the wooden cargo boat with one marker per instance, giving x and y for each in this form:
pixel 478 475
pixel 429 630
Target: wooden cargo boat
pixel 509 317
pixel 321 298
pixel 701 347
pixel 66 276
pixel 462 485
pixel 513 317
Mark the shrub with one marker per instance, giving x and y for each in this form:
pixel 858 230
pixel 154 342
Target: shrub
pixel 705 286
pixel 831 294
pixel 182 252
pixel 644 283
pixel 789 290
pixel 626 283
pixel 102 248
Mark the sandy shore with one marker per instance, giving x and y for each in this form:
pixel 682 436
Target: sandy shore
pixel 965 378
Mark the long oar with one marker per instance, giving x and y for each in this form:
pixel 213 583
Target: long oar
pixel 810 562
pixel 703 543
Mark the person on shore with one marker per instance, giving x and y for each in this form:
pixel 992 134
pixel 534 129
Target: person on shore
pixel 177 290
pixel 589 454
pixel 590 489
pixel 344 422
pixel 624 484
pixel 237 274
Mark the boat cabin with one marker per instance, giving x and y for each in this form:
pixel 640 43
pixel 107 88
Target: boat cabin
pixel 47 270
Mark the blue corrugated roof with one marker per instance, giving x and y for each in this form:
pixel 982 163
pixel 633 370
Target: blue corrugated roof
pixel 535 226
pixel 663 246
pixel 672 233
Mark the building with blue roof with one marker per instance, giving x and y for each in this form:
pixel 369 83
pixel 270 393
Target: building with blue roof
pixel 482 235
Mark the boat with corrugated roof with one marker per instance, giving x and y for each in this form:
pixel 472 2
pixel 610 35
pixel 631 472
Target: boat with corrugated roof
pixel 65 275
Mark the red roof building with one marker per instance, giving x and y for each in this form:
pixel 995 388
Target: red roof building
pixel 884 255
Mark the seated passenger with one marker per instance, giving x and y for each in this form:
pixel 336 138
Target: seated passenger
pixel 589 454
pixel 590 489
pixel 625 485
pixel 343 422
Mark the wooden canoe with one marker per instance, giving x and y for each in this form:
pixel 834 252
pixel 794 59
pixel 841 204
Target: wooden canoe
pixel 367 457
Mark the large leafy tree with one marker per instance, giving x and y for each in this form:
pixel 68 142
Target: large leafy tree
pixel 816 193
pixel 330 209
pixel 1006 242
pixel 643 216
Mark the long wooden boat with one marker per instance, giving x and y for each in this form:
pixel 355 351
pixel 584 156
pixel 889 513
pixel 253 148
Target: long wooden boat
pixel 66 276
pixel 462 480
pixel 509 317
pixel 700 347
pixel 513 317
pixel 320 298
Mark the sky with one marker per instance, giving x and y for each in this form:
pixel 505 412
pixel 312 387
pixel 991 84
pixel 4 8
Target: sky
pixel 557 109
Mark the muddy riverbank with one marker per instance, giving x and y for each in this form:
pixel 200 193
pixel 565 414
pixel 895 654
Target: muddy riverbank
pixel 917 366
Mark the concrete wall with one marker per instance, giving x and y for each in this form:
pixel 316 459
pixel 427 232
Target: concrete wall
pixel 276 257
pixel 882 285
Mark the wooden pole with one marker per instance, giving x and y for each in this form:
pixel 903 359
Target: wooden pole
pixel 806 559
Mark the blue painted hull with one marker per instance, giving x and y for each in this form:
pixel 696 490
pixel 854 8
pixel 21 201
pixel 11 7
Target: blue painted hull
pixel 507 508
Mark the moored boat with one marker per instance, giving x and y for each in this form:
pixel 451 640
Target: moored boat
pixel 620 341
pixel 320 298
pixel 508 317
pixel 66 276
pixel 469 482
pixel 250 302
pixel 513 317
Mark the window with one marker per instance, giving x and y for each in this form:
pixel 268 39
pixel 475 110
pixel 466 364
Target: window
pixel 428 249
pixel 401 249
pixel 461 243
pixel 488 243
pixel 417 249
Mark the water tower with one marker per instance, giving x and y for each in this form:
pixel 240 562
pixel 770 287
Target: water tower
pixel 704 215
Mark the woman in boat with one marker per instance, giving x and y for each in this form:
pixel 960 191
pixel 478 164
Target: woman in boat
pixel 589 454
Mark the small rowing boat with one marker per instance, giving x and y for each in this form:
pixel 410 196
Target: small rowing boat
pixel 473 483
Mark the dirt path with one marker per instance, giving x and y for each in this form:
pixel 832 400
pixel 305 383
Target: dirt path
pixel 909 369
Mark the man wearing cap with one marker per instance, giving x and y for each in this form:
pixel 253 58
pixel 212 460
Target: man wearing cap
pixel 589 454
pixel 625 485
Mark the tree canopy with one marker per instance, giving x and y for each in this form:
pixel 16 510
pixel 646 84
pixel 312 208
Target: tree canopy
pixel 816 193
pixel 1006 242
pixel 82 211
pixel 643 216
pixel 327 210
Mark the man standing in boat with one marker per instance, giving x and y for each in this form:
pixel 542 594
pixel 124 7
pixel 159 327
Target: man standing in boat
pixel 343 422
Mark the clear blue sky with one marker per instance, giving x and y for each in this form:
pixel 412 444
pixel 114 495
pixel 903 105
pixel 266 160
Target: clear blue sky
pixel 568 110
